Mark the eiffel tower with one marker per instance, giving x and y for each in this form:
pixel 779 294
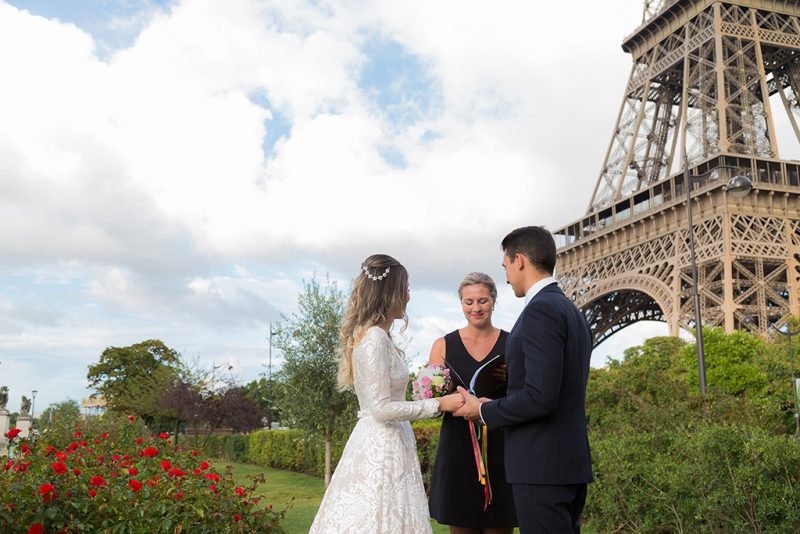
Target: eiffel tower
pixel 708 77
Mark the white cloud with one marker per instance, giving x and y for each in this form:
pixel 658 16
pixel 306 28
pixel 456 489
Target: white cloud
pixel 145 204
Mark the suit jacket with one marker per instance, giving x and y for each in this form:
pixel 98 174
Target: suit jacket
pixel 544 415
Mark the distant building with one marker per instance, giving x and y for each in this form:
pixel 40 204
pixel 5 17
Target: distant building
pixel 93 406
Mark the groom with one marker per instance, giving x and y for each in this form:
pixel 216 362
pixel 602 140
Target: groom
pixel 547 361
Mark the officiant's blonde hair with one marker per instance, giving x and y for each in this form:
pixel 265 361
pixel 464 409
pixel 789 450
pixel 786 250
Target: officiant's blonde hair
pixel 380 293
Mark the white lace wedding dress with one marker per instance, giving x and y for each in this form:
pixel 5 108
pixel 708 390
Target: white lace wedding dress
pixel 377 486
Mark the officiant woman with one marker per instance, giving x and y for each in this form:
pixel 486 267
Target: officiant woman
pixel 457 497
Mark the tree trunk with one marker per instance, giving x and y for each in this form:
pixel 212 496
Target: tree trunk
pixel 328 439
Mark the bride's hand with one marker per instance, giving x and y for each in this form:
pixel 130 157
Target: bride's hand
pixel 451 402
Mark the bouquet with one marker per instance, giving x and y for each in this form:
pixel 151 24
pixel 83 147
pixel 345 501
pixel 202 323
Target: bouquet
pixel 433 380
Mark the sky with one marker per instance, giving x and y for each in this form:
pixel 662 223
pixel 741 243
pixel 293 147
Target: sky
pixel 176 170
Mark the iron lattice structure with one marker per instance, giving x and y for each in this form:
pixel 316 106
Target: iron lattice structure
pixel 707 77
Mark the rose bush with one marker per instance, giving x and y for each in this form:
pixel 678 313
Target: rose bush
pixel 112 475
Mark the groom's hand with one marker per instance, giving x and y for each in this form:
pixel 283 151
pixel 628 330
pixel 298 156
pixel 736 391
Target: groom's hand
pixel 471 408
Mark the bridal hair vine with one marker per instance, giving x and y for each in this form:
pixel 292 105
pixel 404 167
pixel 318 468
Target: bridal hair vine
pixel 373 277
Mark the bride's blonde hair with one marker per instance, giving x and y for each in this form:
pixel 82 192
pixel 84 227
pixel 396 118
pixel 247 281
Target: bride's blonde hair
pixel 380 294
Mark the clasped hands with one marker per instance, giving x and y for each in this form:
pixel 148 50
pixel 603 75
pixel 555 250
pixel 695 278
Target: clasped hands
pixel 462 404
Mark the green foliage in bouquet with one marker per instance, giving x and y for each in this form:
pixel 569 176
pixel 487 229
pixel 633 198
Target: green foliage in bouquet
pixel 111 475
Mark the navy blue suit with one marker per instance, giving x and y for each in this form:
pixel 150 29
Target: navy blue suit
pixel 544 416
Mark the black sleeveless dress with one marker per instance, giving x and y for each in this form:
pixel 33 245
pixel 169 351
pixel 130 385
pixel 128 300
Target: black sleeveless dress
pixel 456 495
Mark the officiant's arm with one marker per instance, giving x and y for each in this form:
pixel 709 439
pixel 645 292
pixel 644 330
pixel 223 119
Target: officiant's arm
pixel 543 358
pixel 437 352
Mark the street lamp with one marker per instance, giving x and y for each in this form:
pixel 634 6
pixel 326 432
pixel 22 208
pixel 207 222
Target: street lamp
pixel 788 334
pixel 269 379
pixel 738 186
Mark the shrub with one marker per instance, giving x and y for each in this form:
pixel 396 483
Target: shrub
pixel 120 480
pixel 426 432
pixel 294 450
pixel 712 478
pixel 233 447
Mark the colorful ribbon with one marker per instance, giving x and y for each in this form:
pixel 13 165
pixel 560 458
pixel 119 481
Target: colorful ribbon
pixel 479 433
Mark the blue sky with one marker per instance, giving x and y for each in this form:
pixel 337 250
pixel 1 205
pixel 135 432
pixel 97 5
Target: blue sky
pixel 175 170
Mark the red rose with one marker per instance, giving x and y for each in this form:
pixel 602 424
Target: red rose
pixel 61 456
pixel 194 453
pixel 165 465
pixel 59 467
pixel 135 484
pixel 8 465
pixel 204 465
pixel 139 441
pixel 36 528
pixel 133 471
pixel 163 435
pixel 13 433
pixel 44 489
pixel 50 450
pixel 78 434
pixel 25 449
pixel 92 493
pixel 152 482
pixel 179 495
pixel 76 471
pixel 150 452
pixel 212 476
pixel 97 481
pixel 213 488
pixel 105 435
pixel 131 418
pixel 236 518
pixel 196 471
pixel 175 472
pixel 240 491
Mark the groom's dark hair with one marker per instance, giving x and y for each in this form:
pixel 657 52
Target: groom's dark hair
pixel 535 243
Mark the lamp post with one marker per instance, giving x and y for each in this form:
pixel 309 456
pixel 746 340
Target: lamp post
pixel 269 379
pixel 788 334
pixel 738 186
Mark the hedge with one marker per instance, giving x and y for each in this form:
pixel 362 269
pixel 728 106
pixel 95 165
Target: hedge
pixel 294 450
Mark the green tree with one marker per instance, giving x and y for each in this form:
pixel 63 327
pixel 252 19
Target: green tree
pixel 59 416
pixel 265 396
pixel 308 341
pixel 133 379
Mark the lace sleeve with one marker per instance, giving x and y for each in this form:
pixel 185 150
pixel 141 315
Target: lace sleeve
pixel 373 372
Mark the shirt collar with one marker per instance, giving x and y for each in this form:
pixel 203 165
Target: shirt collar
pixel 535 288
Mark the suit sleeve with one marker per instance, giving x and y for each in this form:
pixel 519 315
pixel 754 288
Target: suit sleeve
pixel 543 338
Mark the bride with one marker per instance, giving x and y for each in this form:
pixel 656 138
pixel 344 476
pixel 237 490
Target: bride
pixel 377 486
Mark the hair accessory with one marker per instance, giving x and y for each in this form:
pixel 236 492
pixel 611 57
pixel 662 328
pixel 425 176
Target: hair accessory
pixel 375 278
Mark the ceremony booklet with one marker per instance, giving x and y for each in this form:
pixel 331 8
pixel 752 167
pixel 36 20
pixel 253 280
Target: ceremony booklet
pixel 483 382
